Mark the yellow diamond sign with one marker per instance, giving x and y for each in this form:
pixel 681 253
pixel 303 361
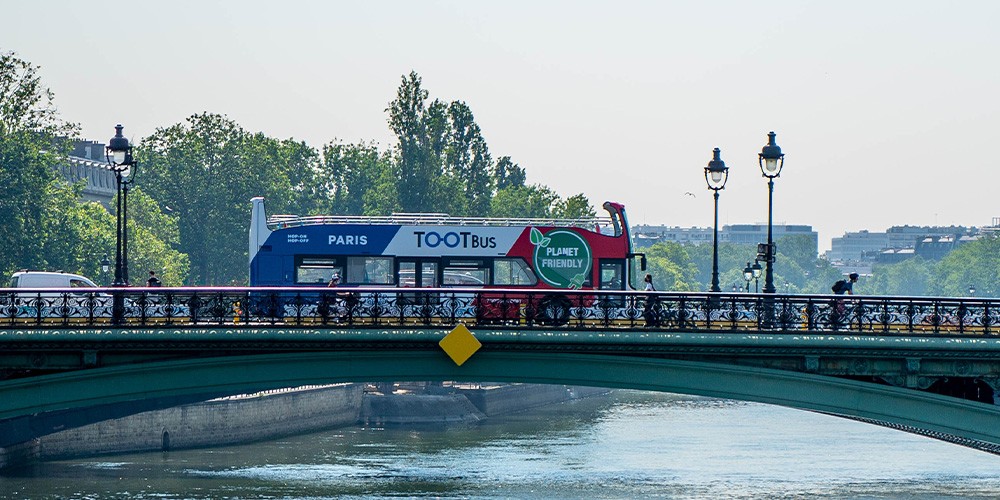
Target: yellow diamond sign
pixel 460 344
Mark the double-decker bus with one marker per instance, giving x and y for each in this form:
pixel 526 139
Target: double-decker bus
pixel 429 250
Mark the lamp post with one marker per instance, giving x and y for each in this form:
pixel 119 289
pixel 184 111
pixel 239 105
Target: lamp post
pixel 121 162
pixel 716 174
pixel 119 155
pixel 771 160
pixel 734 287
pixel 972 290
pixel 105 266
pixel 748 275
pixel 755 269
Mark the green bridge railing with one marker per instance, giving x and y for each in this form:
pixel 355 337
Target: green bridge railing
pixel 498 308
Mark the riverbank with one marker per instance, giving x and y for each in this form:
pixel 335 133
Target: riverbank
pixel 273 414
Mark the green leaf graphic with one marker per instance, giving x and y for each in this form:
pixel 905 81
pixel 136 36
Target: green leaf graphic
pixel 536 236
pixel 545 242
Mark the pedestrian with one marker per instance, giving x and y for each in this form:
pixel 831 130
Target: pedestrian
pixel 153 280
pixel 334 281
pixel 843 287
pixel 649 308
pixel 849 286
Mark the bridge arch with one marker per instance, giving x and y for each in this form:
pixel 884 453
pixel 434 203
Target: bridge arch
pixel 931 413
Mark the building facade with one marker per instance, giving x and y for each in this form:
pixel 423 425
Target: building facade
pixel 898 243
pixel 645 235
pixel 87 163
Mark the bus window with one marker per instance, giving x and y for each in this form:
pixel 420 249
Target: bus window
pixel 611 274
pixel 513 271
pixel 317 271
pixel 417 273
pixel 466 272
pixel 369 270
pixel 428 275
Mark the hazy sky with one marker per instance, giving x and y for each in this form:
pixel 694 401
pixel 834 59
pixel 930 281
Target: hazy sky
pixel 887 111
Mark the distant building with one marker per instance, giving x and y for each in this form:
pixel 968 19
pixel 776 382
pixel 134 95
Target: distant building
pixel 868 246
pixel 993 229
pixel 863 249
pixel 87 163
pixel 645 235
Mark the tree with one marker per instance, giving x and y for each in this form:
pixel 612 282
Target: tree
pixel 671 267
pixel 416 171
pixel 508 174
pixel 468 159
pixel 574 207
pixel 207 170
pixel 910 277
pixel 524 201
pixel 32 143
pixel 154 237
pixel 976 263
pixel 357 179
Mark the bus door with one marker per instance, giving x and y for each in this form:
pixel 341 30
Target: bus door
pixel 417 273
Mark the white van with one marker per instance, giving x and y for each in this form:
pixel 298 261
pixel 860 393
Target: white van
pixel 45 279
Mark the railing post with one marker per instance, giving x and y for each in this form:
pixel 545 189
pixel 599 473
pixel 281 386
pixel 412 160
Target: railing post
pixel 117 307
pixel 987 321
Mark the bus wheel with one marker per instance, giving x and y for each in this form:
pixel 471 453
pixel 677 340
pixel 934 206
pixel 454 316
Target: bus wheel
pixel 553 311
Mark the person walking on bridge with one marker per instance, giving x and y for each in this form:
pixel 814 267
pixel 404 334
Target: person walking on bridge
pixel 649 308
pixel 843 287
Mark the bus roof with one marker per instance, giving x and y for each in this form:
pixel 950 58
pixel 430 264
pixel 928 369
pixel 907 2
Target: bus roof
pixel 415 219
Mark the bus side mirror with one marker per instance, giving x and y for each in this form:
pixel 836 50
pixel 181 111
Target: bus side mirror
pixel 642 263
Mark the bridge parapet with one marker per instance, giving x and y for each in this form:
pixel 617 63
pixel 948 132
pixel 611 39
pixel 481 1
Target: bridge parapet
pixel 303 307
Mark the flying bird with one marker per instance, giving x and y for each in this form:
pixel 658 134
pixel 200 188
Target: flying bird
pixel 689 193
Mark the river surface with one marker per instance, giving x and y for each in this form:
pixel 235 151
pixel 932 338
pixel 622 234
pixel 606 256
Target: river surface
pixel 623 445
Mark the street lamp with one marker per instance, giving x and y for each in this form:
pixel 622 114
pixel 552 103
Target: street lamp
pixel 748 275
pixel 119 155
pixel 716 174
pixel 771 160
pixel 972 290
pixel 734 287
pixel 105 266
pixel 756 276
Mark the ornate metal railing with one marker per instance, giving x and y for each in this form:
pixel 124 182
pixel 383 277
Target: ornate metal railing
pixel 442 307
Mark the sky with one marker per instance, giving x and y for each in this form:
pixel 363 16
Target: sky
pixel 887 111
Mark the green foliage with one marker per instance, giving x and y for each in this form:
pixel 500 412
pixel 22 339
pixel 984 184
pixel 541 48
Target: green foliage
pixel 358 179
pixel 30 150
pixel 574 207
pixel 689 267
pixel 508 174
pixel 909 277
pixel 524 201
pixel 443 164
pixel 417 167
pixel 976 263
pixel 207 169
pixel 672 267
pixel 153 239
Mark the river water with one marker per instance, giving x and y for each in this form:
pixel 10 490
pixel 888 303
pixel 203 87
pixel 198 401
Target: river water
pixel 623 445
